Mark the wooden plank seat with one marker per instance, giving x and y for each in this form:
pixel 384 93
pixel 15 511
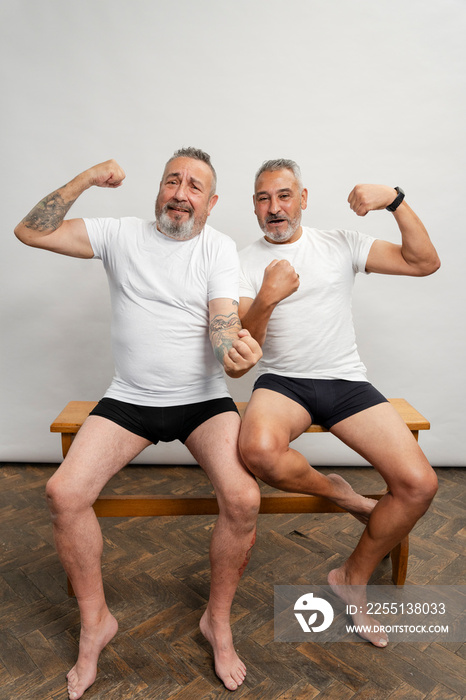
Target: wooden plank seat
pixel 69 421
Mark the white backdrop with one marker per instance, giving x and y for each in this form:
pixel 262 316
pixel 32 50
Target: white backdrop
pixel 357 91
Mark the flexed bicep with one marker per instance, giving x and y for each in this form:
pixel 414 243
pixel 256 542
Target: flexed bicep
pixel 45 226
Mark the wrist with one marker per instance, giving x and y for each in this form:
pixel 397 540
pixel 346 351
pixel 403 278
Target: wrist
pixel 80 183
pixel 399 197
pixel 267 299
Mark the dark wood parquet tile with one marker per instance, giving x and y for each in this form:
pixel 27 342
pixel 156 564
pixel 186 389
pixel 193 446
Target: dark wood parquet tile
pixel 156 574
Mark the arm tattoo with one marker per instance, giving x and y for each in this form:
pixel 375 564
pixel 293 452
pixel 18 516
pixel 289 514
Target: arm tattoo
pixel 48 215
pixel 222 331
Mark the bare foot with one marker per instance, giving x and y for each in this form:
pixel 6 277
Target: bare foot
pixel 228 666
pixel 356 595
pixel 359 506
pixel 91 643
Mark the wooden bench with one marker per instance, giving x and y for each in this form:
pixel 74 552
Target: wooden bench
pixel 74 414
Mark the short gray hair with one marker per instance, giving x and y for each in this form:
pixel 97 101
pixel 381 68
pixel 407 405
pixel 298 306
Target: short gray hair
pixel 196 154
pixel 280 164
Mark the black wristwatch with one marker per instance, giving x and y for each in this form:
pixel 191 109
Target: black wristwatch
pixel 397 201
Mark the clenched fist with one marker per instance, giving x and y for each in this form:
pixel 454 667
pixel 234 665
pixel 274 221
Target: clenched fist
pixel 108 174
pixel 244 354
pixel 280 281
pixel 365 198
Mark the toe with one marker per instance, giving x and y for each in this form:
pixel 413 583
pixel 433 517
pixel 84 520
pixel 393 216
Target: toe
pixel 382 642
pixel 231 684
pixel 237 678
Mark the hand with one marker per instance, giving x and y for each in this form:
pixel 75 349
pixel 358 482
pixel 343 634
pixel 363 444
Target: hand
pixel 244 354
pixel 280 281
pixel 365 198
pixel 108 174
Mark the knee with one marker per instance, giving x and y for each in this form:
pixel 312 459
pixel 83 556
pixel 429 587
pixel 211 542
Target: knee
pixel 261 451
pixel 420 487
pixel 242 506
pixel 63 497
pixel 427 487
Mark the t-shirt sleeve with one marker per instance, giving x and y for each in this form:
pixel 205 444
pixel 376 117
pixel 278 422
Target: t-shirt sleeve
pixel 360 245
pixel 100 232
pixel 224 274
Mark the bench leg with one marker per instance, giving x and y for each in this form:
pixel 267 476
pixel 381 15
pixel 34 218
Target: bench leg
pixel 66 440
pixel 399 556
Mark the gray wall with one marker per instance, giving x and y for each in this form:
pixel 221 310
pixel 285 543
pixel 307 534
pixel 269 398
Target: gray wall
pixel 354 91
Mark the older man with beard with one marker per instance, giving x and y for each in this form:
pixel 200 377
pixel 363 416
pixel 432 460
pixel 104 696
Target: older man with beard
pixel 295 299
pixel 174 293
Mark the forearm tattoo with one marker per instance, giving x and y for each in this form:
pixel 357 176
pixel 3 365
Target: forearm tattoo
pixel 223 330
pixel 48 215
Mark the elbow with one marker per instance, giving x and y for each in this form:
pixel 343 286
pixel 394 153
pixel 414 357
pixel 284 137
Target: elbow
pixel 424 268
pixel 436 266
pixel 21 233
pixel 430 267
pixel 18 231
pixel 28 236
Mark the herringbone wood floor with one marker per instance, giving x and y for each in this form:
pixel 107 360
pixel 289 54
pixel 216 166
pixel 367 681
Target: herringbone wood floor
pixel 157 580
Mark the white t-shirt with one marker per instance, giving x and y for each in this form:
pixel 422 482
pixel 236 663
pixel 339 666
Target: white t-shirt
pixel 310 333
pixel 160 289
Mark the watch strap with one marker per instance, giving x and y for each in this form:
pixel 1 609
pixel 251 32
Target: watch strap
pixel 397 201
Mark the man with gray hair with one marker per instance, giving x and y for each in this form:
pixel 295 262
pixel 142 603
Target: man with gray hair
pixel 174 291
pixel 295 299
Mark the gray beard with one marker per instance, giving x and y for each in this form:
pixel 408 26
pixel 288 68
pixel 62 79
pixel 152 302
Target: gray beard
pixel 180 230
pixel 285 235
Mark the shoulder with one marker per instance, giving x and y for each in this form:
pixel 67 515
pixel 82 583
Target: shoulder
pixel 112 224
pixel 355 240
pixel 135 223
pixel 214 238
pixel 108 234
pixel 346 246
pixel 324 234
pixel 100 222
pixel 335 236
pixel 216 251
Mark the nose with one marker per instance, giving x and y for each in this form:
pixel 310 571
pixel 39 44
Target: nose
pixel 274 205
pixel 180 194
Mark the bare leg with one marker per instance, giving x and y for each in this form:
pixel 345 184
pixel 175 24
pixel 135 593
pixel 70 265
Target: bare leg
pixel 214 444
pixel 271 422
pixel 100 449
pixel 381 437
